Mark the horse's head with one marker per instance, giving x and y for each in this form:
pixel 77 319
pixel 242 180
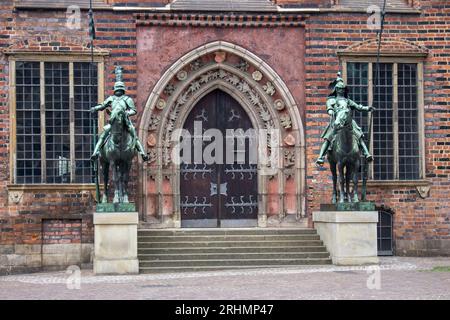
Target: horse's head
pixel 343 118
pixel 117 114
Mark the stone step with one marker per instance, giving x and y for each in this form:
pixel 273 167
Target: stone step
pixel 218 268
pixel 213 238
pixel 245 243
pixel 261 249
pixel 225 231
pixel 231 256
pixel 232 262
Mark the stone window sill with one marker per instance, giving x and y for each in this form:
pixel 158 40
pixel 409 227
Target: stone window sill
pixel 52 187
pixel 399 183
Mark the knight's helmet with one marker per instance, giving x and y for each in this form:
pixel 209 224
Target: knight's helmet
pixel 338 83
pixel 119 85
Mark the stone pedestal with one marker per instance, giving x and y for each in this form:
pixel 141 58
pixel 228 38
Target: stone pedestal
pixel 350 236
pixel 115 243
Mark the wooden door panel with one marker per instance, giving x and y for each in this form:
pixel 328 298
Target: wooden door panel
pixel 219 194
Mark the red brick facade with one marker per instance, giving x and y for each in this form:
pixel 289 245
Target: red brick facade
pixel 305 57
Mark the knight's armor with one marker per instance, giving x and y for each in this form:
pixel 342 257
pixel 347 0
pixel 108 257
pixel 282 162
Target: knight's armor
pixel 336 102
pixel 119 99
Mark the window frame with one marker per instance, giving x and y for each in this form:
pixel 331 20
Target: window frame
pixel 371 61
pixel 42 58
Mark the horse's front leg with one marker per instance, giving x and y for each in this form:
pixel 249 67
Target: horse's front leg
pixel 116 183
pixel 105 167
pixel 334 173
pixel 355 181
pixel 348 178
pixel 341 182
pixel 126 176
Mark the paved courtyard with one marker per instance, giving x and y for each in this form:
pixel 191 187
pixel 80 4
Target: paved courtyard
pixel 395 278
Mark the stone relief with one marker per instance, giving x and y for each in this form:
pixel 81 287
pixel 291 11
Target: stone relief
pixel 243 65
pixel 154 122
pixel 197 64
pixel 257 75
pixel 182 75
pixel 15 196
pixel 161 104
pixel 285 121
pixel 169 89
pixel 240 84
pixel 279 104
pixel 289 158
pixel 269 88
pixel 152 155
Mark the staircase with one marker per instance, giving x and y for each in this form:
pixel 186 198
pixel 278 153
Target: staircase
pixel 225 249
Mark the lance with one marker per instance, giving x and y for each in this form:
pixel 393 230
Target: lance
pixel 93 118
pixel 376 85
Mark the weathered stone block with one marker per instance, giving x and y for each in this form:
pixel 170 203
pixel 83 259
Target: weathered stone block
pixel 350 237
pixel 116 243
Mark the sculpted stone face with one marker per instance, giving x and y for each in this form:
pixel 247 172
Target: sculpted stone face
pixel 119 93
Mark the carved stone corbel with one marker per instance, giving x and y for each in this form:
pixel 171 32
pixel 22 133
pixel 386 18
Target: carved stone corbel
pixel 424 191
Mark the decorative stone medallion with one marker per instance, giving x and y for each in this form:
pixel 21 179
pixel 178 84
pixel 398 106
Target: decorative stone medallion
pixel 161 104
pixel 257 75
pixel 182 75
pixel 151 140
pixel 289 140
pixel 279 104
pixel 220 56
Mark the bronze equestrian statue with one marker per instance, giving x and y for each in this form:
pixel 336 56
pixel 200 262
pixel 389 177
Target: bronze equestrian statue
pixel 118 143
pixel 343 142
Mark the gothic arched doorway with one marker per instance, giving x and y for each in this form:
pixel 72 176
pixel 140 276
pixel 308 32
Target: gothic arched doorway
pixel 218 174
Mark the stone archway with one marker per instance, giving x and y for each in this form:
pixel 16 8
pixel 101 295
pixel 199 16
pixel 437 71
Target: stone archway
pixel 269 104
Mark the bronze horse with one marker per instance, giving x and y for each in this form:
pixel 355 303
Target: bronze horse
pixel 344 157
pixel 118 152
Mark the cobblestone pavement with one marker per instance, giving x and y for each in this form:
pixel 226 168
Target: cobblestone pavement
pixel 396 278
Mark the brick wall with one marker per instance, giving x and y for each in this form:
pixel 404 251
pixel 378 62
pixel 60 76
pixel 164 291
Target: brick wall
pixel 422 226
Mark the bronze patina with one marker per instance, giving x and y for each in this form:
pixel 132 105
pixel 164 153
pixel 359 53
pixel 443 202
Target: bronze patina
pixel 343 143
pixel 118 143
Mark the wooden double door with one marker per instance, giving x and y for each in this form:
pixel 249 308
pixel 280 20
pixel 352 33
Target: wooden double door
pixel 218 184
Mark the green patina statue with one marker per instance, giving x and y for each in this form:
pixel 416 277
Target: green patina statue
pixel 343 142
pixel 337 100
pixel 118 143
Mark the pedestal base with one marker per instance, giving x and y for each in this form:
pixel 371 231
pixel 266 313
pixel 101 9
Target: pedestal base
pixel 115 243
pixel 350 236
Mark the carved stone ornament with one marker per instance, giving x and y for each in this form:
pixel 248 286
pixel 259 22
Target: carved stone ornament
pixel 289 158
pixel 289 140
pixel 197 64
pixel 257 75
pixel 424 191
pixel 151 140
pixel 279 104
pixel 152 155
pixel 169 89
pixel 285 121
pixel 240 84
pixel 15 196
pixel 154 122
pixel 269 88
pixel 289 174
pixel 161 104
pixel 220 56
pixel 243 65
pixel 182 75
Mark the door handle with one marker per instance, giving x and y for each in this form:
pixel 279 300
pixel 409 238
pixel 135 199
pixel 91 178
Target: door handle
pixel 222 189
